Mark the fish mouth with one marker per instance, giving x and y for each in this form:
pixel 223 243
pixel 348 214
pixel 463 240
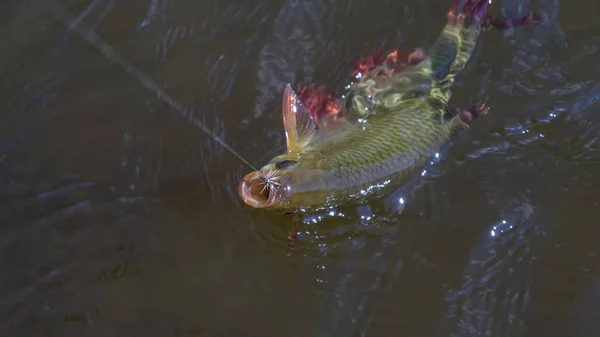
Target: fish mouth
pixel 256 191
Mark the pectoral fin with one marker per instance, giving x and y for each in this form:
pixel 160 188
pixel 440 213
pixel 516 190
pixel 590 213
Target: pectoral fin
pixel 298 123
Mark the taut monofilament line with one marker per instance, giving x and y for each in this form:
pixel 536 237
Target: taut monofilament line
pixel 71 23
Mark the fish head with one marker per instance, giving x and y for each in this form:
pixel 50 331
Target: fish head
pixel 272 186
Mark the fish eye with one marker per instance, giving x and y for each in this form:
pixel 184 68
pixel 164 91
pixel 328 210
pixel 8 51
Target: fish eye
pixel 285 164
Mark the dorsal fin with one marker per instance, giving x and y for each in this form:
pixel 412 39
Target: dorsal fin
pixel 298 123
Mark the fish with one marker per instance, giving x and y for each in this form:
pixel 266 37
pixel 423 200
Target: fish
pixel 393 118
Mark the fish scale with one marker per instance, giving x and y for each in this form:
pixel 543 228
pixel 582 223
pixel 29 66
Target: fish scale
pixel 388 135
pixel 393 146
pixel 389 128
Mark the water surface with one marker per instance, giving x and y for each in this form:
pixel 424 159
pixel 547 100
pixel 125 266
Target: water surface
pixel 119 217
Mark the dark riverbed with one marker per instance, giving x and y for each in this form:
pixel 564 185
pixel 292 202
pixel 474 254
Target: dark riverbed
pixel 118 217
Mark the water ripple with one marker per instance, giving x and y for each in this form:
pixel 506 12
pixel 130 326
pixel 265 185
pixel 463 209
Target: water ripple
pixel 111 161
pixel 496 287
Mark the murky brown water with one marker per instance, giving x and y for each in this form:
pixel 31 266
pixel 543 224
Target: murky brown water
pixel 120 218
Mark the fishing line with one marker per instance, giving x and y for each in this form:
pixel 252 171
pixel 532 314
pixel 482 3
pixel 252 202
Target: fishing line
pixel 72 23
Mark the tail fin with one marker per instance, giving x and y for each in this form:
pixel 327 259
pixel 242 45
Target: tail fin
pixel 453 48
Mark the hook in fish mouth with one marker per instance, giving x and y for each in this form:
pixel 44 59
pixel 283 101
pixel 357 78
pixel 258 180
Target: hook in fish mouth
pixel 260 189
